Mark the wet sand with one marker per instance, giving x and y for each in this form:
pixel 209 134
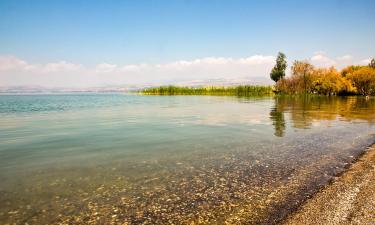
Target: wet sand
pixel 349 199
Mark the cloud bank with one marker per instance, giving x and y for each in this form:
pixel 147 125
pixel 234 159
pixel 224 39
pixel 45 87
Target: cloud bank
pixel 18 72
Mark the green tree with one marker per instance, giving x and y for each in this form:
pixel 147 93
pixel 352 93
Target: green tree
pixel 278 71
pixel 372 63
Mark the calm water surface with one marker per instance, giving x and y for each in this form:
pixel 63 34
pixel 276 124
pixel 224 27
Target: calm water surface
pixel 115 158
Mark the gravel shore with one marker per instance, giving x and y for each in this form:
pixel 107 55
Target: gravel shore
pixel 349 199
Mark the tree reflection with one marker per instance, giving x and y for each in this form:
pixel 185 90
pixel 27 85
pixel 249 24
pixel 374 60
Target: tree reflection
pixel 303 111
pixel 278 121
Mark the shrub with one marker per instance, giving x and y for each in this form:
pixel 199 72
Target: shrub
pixel 350 69
pixel 330 82
pixel 363 80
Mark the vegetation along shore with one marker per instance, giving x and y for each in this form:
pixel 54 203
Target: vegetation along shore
pixel 236 91
pixel 350 197
pixel 304 79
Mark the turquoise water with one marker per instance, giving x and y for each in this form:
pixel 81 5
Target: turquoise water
pixel 101 158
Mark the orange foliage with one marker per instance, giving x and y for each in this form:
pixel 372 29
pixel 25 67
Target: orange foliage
pixel 364 80
pixel 350 69
pixel 330 82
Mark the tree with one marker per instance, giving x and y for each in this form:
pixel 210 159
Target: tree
pixel 302 72
pixel 330 82
pixel 364 80
pixel 372 63
pixel 278 71
pixel 349 70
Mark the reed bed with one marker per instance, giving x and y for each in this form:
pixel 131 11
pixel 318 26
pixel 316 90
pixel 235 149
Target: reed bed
pixel 243 90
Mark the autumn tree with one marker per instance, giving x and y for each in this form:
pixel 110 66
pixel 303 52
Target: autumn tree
pixel 364 80
pixel 302 72
pixel 330 82
pixel 278 71
pixel 349 70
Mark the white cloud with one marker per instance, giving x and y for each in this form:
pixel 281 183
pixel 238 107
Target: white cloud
pixel 15 71
pixel 202 63
pixel 321 60
pixel 320 52
pixel 8 63
pixel 258 60
pixel 345 58
pixel 105 68
pixel 61 66
pixel 11 63
pixel 133 68
pixel 365 61
pixel 208 61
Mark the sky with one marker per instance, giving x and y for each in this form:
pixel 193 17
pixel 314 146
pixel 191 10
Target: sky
pixel 81 43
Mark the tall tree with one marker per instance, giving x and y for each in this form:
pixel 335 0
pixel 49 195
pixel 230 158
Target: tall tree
pixel 372 63
pixel 278 71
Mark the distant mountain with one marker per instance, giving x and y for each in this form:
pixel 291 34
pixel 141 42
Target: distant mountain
pixel 225 82
pixel 49 90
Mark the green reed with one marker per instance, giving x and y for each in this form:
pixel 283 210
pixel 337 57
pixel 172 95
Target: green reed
pixel 243 90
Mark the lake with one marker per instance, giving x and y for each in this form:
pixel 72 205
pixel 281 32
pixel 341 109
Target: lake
pixel 110 158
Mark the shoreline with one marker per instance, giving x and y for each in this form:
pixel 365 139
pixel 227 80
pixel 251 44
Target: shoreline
pixel 349 198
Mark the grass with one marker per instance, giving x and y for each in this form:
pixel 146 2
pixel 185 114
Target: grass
pixel 243 90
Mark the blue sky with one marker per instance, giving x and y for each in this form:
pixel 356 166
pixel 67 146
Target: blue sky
pixel 89 33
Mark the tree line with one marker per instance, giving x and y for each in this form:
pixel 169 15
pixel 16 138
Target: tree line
pixel 305 78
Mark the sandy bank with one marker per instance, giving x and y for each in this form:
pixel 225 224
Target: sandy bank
pixel 349 199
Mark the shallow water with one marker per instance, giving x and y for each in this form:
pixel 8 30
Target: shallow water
pixel 101 158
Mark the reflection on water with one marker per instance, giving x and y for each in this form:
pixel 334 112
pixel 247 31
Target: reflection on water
pixel 305 110
pixel 278 120
pixel 172 159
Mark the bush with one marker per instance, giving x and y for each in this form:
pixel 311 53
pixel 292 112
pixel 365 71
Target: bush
pixel 307 79
pixel 330 82
pixel 350 69
pixel 363 80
